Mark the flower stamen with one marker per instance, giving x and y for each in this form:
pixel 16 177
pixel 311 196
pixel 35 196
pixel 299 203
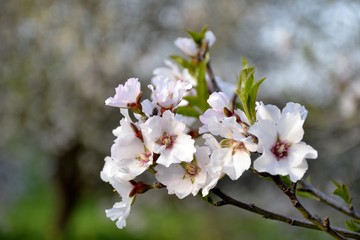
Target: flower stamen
pixel 280 150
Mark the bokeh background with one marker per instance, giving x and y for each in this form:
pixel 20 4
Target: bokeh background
pixel 59 61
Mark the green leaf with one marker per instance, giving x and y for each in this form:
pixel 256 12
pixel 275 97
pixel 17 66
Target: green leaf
pixel 247 90
pixel 188 111
pixel 201 88
pixel 342 191
pixel 198 36
pixel 286 180
pixel 353 225
pixel 306 195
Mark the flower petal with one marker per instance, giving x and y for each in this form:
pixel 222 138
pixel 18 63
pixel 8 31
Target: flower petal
pixel 268 112
pixel 290 128
pixel 299 152
pixel 265 131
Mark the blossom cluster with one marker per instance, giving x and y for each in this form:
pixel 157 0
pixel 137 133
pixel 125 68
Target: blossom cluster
pixel 154 137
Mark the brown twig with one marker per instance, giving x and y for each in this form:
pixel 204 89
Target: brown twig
pixel 291 194
pixel 227 200
pixel 332 202
pixel 209 70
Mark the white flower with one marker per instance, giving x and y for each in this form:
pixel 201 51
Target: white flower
pixel 121 210
pixel 128 153
pixel 166 93
pixel 112 170
pixel 190 48
pixel 279 140
pixel 210 38
pixel 165 136
pixel 213 168
pixel 187 45
pixel 185 178
pixel 174 73
pixel 230 157
pixel 125 94
pixel 217 101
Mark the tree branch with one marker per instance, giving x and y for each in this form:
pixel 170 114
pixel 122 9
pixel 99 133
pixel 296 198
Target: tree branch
pixel 290 192
pixel 215 87
pixel 227 200
pixel 328 200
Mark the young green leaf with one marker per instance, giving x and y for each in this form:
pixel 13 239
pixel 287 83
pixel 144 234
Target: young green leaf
pixel 353 225
pixel 247 90
pixel 342 191
pixel 198 36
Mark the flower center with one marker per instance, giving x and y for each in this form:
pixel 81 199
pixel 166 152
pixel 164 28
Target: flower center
pixel 143 158
pixel 280 150
pixel 191 170
pixel 166 140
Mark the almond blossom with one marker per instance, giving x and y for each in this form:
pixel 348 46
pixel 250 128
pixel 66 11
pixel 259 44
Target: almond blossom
pixel 125 95
pixel 279 140
pixel 173 72
pixel 218 101
pixel 166 93
pixel 128 151
pixel 190 48
pixel 165 136
pixel 121 210
pixel 231 157
pixel 183 178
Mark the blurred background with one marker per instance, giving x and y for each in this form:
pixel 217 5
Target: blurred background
pixel 59 61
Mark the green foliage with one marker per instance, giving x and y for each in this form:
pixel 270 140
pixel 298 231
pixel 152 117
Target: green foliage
pixel 247 90
pixel 198 36
pixel 305 194
pixel 286 180
pixel 197 103
pixel 342 191
pixel 353 225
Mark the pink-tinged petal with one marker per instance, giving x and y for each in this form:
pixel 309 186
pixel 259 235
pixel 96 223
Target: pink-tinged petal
pixel 211 142
pixel 148 107
pixel 122 187
pixel 266 163
pixel 299 152
pixel 242 116
pixel 211 182
pixel 184 148
pixel 268 112
pixel 218 100
pixel 187 45
pixel 125 94
pixel 119 212
pixel 219 157
pixel 295 108
pixel 169 176
pixel 239 162
pixel 265 131
pixel 231 129
pixel 124 150
pixel 210 38
pixel 174 179
pixel 298 172
pixel 249 144
pixel 112 171
pixel 290 128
